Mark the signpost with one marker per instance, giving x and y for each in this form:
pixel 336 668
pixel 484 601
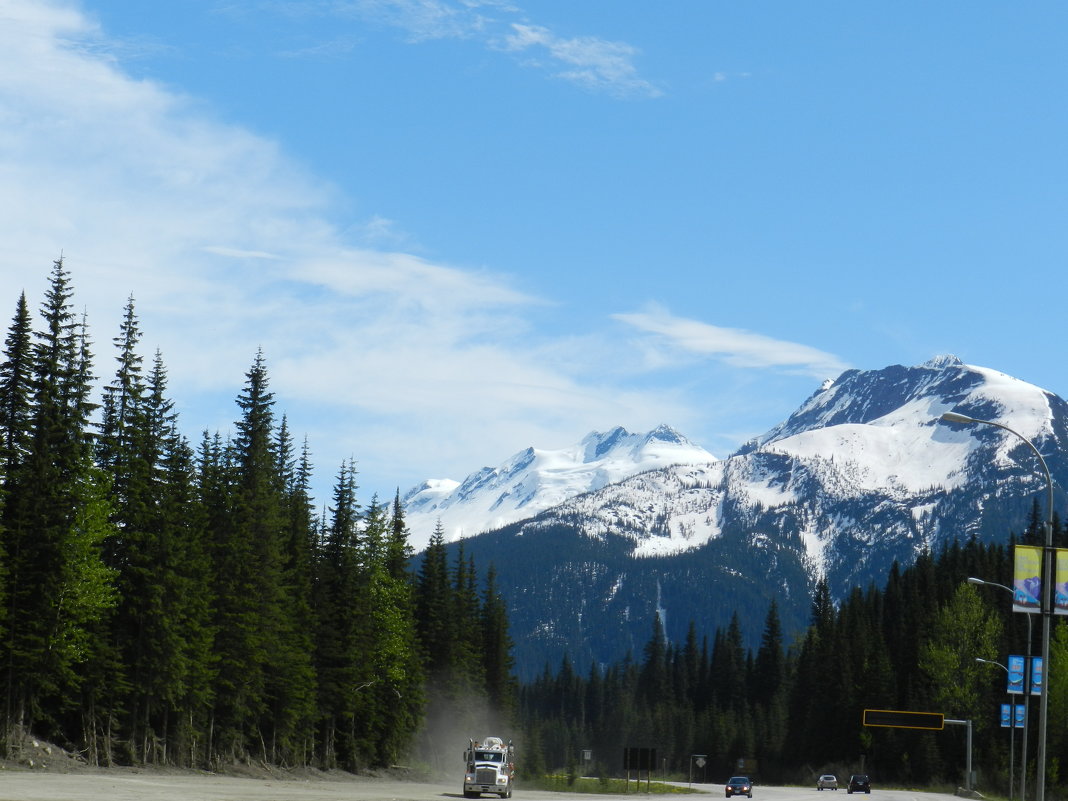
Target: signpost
pixel 699 760
pixel 935 721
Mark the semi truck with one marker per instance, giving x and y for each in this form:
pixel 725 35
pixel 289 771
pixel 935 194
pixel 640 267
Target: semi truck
pixel 490 767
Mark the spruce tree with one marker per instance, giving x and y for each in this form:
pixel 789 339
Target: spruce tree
pixel 497 661
pixel 57 522
pixel 298 702
pixel 16 435
pixel 16 392
pixel 433 613
pixel 337 656
pixel 184 689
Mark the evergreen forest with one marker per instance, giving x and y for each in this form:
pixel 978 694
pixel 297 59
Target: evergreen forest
pixel 794 710
pixel 177 603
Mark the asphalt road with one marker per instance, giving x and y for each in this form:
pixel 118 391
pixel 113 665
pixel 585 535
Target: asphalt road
pixel 121 786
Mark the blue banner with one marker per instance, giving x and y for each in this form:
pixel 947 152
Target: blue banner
pixel 1016 675
pixel 1004 716
pixel 1038 675
pixel 1021 711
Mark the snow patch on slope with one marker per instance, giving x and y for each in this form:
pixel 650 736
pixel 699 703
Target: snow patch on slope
pixel 534 480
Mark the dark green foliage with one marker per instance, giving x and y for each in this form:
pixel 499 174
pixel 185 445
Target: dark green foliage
pixel 172 608
pixel 796 708
pixel 55 519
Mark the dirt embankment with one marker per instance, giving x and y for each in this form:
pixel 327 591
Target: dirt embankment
pixel 40 771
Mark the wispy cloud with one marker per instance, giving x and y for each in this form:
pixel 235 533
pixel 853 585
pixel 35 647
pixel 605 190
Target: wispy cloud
pixel 424 19
pixel 733 346
pixel 588 61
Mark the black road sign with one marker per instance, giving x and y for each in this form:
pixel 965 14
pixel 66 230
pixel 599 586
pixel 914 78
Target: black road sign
pixel 904 720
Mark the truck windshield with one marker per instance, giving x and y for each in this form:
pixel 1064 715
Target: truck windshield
pixel 489 756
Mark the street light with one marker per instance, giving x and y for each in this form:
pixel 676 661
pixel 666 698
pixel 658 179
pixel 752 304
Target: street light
pixel 1047 586
pixel 1026 698
pixel 1012 725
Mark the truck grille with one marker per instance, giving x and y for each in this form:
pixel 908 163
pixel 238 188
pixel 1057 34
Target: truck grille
pixel 486 776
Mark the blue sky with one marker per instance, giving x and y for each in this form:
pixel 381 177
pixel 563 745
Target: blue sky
pixel 460 227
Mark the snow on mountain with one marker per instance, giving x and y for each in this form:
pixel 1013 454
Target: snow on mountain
pixel 868 435
pixel 862 475
pixel 534 480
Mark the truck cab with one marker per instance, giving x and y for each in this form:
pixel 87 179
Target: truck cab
pixel 490 768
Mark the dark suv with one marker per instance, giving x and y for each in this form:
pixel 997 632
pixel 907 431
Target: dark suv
pixel 859 783
pixel 738 785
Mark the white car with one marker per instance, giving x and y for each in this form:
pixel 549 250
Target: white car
pixel 827 782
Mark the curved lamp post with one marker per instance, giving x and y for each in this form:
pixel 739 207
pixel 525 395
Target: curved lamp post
pixel 1047 586
pixel 1026 699
pixel 1012 723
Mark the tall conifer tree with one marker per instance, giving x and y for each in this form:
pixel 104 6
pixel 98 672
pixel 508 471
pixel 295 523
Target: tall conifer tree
pixel 57 523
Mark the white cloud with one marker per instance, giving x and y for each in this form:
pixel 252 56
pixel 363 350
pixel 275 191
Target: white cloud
pixel 227 247
pixel 423 19
pixel 586 60
pixel 733 346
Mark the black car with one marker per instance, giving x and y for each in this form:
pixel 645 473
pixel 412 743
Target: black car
pixel 738 785
pixel 859 783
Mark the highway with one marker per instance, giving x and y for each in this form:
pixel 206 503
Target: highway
pixel 128 785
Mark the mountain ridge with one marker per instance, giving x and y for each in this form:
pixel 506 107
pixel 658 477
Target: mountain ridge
pixel 862 475
pixel 534 479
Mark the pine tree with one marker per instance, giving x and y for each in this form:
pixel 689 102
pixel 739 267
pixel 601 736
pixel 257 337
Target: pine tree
pixel 183 713
pixel 16 392
pixel 248 582
pixel 498 663
pixel 433 615
pixel 465 672
pixel 264 681
pixel 398 551
pixel 337 658
pixel 653 681
pixel 299 701
pixel 57 521
pixel 16 434
pixel 770 668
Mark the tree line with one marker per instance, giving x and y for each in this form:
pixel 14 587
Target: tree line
pixel 169 603
pixel 792 710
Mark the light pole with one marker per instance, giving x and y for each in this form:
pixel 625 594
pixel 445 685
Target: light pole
pixel 1012 723
pixel 1047 588
pixel 1027 696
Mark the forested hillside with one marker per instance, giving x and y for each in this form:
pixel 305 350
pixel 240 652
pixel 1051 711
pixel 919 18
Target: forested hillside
pixel 165 602
pixel 794 709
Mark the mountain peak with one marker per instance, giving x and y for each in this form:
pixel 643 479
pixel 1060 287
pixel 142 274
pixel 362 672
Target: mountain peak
pixel 943 361
pixel 665 433
pixel 534 480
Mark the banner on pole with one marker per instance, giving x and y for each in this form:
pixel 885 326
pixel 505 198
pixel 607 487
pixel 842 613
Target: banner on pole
pixel 1005 716
pixel 1016 675
pixel 1038 675
pixel 1027 579
pixel 1060 583
pixel 1019 714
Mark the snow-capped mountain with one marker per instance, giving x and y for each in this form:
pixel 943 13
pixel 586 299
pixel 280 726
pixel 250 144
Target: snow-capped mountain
pixel 534 480
pixel 862 474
